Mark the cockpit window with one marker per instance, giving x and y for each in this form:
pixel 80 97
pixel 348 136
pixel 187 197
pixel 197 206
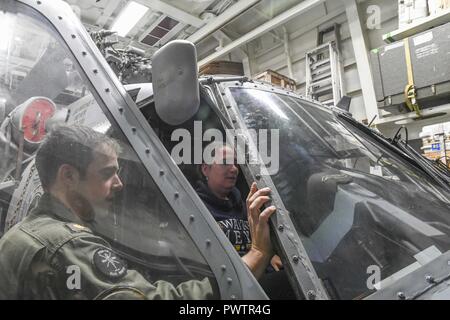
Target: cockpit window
pixel 366 217
pixel 41 87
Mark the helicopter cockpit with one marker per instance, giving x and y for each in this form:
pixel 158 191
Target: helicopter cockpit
pixel 355 217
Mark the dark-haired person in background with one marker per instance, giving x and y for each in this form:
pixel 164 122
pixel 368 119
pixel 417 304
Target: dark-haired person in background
pixel 217 188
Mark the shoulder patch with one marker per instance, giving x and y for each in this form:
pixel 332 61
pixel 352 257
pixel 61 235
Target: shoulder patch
pixel 76 228
pixel 109 263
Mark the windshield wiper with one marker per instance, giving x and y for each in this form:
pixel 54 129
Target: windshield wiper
pixel 442 173
pixel 417 283
pixel 407 153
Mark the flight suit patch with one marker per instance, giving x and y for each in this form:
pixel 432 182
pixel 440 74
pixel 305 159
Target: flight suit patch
pixel 75 228
pixel 109 263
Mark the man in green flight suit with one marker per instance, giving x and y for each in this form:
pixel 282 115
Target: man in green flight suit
pixel 78 168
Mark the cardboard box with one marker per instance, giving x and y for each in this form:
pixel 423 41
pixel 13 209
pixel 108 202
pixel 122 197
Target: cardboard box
pixel 222 67
pixel 276 79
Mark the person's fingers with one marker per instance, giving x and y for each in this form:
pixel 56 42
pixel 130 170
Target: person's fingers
pixel 261 192
pixel 257 204
pixel 253 189
pixel 278 262
pixel 275 262
pixel 275 266
pixel 265 215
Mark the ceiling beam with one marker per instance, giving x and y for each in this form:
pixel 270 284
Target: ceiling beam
pixel 223 38
pixel 221 20
pixel 282 18
pixel 305 29
pixel 173 12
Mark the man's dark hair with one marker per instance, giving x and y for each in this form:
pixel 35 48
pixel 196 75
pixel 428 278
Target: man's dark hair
pixel 69 145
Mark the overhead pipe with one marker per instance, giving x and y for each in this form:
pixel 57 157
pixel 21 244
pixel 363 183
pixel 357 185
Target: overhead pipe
pixel 221 20
pixel 279 20
pixel 287 51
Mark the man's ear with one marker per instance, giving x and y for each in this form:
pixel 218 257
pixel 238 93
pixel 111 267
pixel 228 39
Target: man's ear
pixel 68 175
pixel 205 169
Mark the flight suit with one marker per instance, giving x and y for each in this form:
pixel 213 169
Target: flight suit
pixel 40 256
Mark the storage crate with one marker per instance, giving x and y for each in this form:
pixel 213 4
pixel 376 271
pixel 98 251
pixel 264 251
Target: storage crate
pixel 430 65
pixel 222 67
pixel 276 79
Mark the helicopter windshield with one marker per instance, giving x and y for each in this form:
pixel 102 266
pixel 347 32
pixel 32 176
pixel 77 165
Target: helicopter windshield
pixel 366 216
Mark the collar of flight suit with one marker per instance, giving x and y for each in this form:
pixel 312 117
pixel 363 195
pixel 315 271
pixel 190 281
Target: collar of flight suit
pixel 50 205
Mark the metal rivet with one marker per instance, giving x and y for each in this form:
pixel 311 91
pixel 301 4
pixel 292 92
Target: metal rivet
pixel 256 86
pixel 237 83
pixel 84 53
pixel 430 279
pixel 133 129
pixel 147 151
pixel 107 90
pixel 295 259
pixel 120 109
pixel 223 93
pixel 281 228
pixel 229 280
pixel 401 295
pixel 258 177
pixel 74 36
pixel 234 121
pixel 161 173
pixel 95 71
pixel 59 17
pixel 177 195
pixel 191 217
pixel 311 295
pixel 228 107
pixel 208 242
pixel 223 268
pixel 38 2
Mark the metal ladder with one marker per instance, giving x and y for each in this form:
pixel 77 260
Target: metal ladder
pixel 324 70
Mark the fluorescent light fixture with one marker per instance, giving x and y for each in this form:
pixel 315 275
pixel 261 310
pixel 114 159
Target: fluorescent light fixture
pixel 128 18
